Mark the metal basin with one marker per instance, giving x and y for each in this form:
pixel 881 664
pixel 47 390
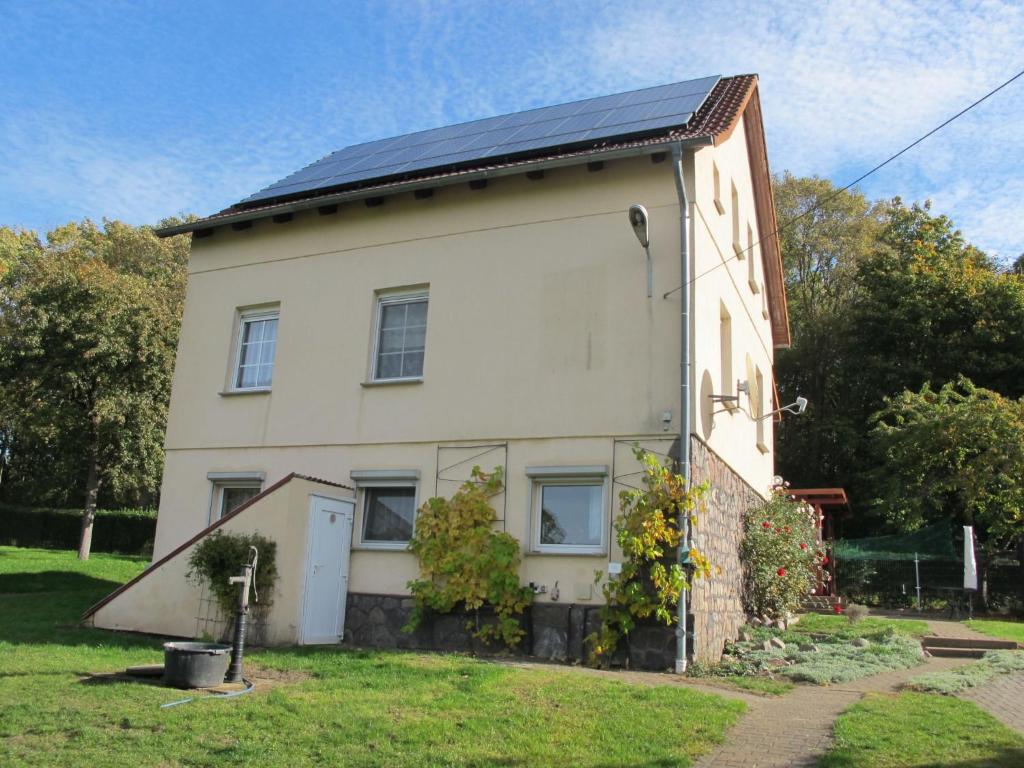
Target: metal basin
pixel 195 665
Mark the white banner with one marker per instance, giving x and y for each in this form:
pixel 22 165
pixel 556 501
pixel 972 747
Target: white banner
pixel 970 566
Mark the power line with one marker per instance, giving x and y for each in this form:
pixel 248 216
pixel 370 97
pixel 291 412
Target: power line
pixel 856 181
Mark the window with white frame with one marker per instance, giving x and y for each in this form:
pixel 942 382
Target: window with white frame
pixel 568 509
pixel 254 350
pixel 231 490
pixel 752 281
pixel 726 381
pixel 388 503
pixel 734 201
pixel 717 177
pixel 760 411
pixel 400 337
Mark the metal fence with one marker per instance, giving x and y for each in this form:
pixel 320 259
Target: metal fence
pixel 929 583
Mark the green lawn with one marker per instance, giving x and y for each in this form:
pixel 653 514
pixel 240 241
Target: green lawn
pixel 840 626
pixel 1004 630
pixel 336 707
pixel 913 730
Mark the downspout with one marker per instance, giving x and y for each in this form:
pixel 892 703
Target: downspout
pixel 684 390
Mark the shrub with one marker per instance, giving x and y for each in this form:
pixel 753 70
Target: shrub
pixel 781 556
pixel 465 563
pixel 648 532
pixel 221 555
pixel 856 613
pixel 125 531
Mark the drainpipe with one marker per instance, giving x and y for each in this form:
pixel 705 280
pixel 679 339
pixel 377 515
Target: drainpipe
pixel 684 389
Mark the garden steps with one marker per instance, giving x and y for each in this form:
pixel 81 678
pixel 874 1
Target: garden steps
pixel 963 647
pixel 821 604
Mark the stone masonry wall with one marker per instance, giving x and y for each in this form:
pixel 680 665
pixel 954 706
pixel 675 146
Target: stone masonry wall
pixel 554 631
pixel 716 603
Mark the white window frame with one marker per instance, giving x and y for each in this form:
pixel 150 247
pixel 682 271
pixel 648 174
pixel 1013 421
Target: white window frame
pixel 373 479
pixel 717 182
pixel 579 475
pixel 755 287
pixel 221 480
pixel 759 385
pixel 248 316
pixel 390 298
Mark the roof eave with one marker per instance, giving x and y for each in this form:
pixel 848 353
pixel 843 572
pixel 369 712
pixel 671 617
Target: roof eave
pixel 446 178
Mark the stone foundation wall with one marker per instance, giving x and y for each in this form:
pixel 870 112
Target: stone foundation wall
pixel 716 604
pixel 554 631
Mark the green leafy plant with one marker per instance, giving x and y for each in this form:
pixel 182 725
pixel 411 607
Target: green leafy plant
pixel 221 555
pixel 781 555
pixel 649 534
pixel 465 563
pixel 856 613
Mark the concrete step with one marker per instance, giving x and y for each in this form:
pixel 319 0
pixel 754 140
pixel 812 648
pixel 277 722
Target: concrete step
pixel 937 641
pixel 955 653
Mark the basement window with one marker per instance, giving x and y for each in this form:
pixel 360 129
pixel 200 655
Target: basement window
pixel 231 490
pixel 387 507
pixel 568 510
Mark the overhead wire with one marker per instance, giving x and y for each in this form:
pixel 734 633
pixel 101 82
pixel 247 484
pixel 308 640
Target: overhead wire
pixel 742 253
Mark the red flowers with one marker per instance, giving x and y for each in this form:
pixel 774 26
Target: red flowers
pixel 802 545
pixel 788 529
pixel 781 571
pixel 766 525
pixel 837 608
pixel 824 560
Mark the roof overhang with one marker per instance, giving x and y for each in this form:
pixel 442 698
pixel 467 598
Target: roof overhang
pixel 440 179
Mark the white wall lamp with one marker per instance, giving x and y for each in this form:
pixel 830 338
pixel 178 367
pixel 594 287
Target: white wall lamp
pixel 639 221
pixel 795 408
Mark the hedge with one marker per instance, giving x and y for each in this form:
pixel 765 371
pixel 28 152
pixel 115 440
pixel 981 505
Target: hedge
pixel 126 531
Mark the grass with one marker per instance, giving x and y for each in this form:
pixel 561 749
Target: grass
pixel 335 706
pixel 992 664
pixel 765 686
pixel 1004 630
pixel 913 730
pixel 841 627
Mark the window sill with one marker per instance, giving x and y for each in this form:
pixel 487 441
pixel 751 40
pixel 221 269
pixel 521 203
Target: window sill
pixel 566 553
pixel 739 250
pixel 763 448
pixel 719 207
pixel 400 547
pixel 754 287
pixel 253 391
pixel 391 382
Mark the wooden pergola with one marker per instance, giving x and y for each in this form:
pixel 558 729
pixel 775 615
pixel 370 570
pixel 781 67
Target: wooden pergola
pixel 828 503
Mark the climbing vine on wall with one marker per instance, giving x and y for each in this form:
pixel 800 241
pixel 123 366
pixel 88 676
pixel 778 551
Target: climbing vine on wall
pixel 466 564
pixel 222 555
pixel 648 532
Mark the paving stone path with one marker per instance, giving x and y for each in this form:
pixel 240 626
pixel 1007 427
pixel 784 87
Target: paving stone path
pixel 796 730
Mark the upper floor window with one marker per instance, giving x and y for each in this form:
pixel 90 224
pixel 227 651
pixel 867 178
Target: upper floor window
pixel 737 245
pixel 717 178
pixel 401 336
pixel 254 355
pixel 752 281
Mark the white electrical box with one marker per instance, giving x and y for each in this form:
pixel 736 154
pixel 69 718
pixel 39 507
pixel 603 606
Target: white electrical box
pixel 614 569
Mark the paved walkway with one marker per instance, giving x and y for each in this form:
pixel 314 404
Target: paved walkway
pixel 797 729
pixel 1003 698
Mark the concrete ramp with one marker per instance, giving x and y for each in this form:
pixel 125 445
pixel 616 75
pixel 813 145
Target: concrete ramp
pixel 163 601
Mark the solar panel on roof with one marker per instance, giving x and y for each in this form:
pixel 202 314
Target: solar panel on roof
pixel 562 125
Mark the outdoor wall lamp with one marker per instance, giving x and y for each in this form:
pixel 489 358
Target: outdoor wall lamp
pixel 639 221
pixel 795 408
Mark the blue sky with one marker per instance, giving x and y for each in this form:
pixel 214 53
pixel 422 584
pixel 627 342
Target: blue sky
pixel 141 110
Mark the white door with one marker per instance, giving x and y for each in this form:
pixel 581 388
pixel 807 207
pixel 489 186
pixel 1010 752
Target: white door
pixel 330 538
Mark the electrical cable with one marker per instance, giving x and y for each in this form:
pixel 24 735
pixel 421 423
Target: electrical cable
pixel 856 181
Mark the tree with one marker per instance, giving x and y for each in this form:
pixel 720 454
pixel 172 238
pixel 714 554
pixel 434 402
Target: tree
pixel 956 454
pixel 89 329
pixel 830 235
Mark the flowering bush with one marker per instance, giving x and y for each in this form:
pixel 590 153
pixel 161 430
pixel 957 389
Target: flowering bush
pixel 781 555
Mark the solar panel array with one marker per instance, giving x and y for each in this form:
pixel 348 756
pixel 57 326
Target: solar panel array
pixel 579 122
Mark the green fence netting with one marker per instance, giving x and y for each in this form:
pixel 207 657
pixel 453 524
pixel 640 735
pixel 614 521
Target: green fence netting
pixel 935 542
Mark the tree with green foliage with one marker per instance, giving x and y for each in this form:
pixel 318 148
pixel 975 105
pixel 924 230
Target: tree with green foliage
pixel 831 233
pixel 89 325
pixel 957 454
pixel 882 298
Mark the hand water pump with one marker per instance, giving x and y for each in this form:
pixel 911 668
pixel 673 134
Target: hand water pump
pixel 247 580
